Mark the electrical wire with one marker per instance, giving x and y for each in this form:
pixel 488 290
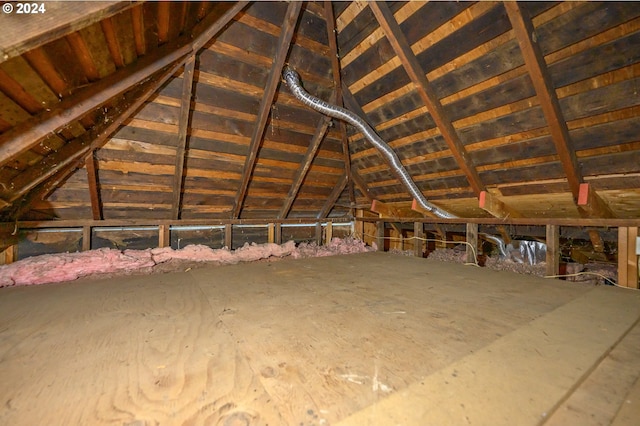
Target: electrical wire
pixel 605 278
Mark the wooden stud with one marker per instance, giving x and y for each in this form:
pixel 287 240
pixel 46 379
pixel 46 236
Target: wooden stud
pixel 553 250
pixel 333 197
pixel 86 238
pixel 277 233
pixel 164 235
pixel 282 50
pixel 321 131
pixel 94 186
pixel 271 233
pixel 380 235
pixel 228 236
pixel 418 242
pixel 400 45
pixel 9 255
pixel 328 232
pixel 183 127
pixel 318 233
pixel 627 257
pixel 472 243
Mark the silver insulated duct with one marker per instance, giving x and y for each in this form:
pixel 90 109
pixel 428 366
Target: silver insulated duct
pixel 293 81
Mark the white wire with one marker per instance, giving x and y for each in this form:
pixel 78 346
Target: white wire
pixel 476 258
pixel 473 249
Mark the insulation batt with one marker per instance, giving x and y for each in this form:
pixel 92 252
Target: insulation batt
pixel 51 268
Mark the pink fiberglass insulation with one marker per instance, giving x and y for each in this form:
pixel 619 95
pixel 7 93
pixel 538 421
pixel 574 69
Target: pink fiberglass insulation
pixel 50 268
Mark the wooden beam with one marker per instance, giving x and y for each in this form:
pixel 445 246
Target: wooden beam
pixel 553 250
pixel 9 255
pixel 383 209
pixel 282 50
pixel 71 156
pixel 333 197
pixel 627 257
pixel 94 186
pixel 228 236
pixel 493 205
pixel 318 233
pixel 545 91
pixel 271 233
pixel 164 235
pixel 590 203
pixel 312 149
pixel 418 241
pixel 29 133
pixel 183 127
pixel 472 243
pixel 400 45
pixel 59 19
pixel 86 238
pixel 328 233
pixel 380 235
pixel 332 35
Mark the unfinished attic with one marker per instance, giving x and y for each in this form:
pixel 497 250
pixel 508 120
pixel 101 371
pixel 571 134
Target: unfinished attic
pixel 353 213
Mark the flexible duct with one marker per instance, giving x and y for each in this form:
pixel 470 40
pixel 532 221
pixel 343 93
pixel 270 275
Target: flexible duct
pixel 293 81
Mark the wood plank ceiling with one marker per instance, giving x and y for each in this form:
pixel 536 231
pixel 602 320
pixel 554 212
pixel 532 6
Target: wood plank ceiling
pixel 176 110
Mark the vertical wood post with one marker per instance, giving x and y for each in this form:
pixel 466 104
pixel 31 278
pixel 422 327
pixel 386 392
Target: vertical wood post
pixel 277 234
pixel 318 233
pixel 553 250
pixel 627 257
pixel 164 235
pixel 271 233
pixel 86 238
pixel 228 236
pixel 328 233
pixel 380 235
pixel 418 243
pixel 9 255
pixel 472 242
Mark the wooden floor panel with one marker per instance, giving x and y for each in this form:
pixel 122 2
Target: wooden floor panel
pixel 312 342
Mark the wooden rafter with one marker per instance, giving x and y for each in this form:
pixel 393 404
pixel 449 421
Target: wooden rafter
pixel 66 160
pixel 335 68
pixel 493 205
pixel 545 91
pixel 333 197
pixel 29 133
pixel 61 18
pixel 417 75
pixel 183 127
pixel 321 131
pixel 282 50
pixel 94 186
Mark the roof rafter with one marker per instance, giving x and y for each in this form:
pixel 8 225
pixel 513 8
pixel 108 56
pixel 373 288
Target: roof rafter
pixel 29 133
pixel 183 127
pixel 71 155
pixel 541 79
pixel 417 75
pixel 282 50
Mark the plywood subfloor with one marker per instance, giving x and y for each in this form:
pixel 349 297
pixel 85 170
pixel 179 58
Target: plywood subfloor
pixel 373 338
